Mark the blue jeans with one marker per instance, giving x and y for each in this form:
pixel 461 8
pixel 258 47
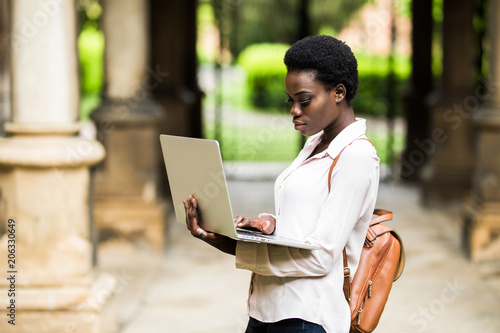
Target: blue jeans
pixel 284 326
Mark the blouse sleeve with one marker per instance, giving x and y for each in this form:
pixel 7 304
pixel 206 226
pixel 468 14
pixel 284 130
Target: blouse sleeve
pixel 351 200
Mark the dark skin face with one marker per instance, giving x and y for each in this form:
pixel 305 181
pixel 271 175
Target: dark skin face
pixel 315 108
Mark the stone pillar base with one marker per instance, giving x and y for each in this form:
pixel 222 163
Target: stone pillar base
pixel 44 185
pixel 132 219
pixel 482 221
pixel 447 186
pixel 481 234
pixel 92 314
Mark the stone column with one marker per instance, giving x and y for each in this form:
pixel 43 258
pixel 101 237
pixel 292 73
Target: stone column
pixel 482 223
pixel 126 201
pixel 448 176
pixel 173 49
pixel 4 64
pixel 416 109
pixel 44 182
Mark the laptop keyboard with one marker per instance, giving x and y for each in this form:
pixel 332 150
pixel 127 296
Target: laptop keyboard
pixel 252 234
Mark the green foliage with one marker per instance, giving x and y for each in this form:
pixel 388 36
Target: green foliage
pixel 262 21
pixel 250 142
pixel 381 143
pixel 437 11
pixel 266 73
pixel 91 51
pixel 206 22
pixel 403 8
pixel 278 21
pixel 284 143
pixel 88 102
pixel 206 16
pixel 370 64
pixel 437 53
pixel 372 95
pixel 332 14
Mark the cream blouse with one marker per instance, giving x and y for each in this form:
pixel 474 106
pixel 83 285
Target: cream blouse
pixel 294 283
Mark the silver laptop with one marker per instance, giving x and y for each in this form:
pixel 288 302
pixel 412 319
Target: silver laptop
pixel 194 166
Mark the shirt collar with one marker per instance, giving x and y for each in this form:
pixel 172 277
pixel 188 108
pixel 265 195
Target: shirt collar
pixel 348 135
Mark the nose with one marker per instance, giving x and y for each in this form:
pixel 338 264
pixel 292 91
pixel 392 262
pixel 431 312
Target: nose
pixel 295 110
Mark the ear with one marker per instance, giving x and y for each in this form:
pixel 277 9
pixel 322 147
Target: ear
pixel 338 93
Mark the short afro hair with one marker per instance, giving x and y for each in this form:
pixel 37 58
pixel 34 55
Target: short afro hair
pixel 330 59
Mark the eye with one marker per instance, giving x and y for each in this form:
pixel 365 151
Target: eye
pixel 302 102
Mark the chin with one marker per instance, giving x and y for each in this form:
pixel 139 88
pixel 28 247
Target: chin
pixel 310 133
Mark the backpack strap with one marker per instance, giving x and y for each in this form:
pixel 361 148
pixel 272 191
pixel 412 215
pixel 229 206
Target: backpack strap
pixel 383 215
pixel 335 163
pixel 347 278
pixel 387 216
pixel 333 166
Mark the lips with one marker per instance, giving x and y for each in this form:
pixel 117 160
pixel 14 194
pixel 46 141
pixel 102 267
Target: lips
pixel 298 124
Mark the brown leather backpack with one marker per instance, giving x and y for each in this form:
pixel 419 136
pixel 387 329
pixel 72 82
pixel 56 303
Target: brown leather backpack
pixel 380 264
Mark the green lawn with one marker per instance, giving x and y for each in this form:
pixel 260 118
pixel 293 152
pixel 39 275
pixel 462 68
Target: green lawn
pixel 253 142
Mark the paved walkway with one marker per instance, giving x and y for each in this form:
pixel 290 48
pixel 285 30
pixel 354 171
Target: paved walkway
pixel 194 288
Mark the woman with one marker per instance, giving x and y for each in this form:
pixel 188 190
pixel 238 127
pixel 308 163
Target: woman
pixel 295 290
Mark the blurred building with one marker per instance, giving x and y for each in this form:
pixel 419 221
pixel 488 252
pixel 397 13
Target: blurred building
pixel 453 128
pixel 46 162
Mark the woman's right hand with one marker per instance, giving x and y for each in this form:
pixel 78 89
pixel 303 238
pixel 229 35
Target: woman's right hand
pixel 265 223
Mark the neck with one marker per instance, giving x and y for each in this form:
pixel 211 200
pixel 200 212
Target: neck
pixel 345 120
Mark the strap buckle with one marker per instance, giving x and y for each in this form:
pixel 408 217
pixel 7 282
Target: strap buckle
pixel 347 272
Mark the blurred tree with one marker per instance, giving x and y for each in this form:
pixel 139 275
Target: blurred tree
pixel 284 21
pixel 90 12
pixel 90 52
pixel 480 26
pixel 333 14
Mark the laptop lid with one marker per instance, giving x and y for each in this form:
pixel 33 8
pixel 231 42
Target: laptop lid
pixel 194 166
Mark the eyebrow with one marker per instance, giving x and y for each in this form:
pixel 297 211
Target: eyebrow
pixel 301 93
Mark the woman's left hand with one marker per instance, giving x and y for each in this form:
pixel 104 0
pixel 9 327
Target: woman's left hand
pixel 194 223
pixel 265 224
pixel 193 220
